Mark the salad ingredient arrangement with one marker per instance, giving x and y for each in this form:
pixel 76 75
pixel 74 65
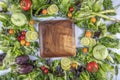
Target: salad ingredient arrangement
pixel 19 40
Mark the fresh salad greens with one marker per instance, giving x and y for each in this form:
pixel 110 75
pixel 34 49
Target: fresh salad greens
pixel 18 40
pixel 114 28
pixel 110 42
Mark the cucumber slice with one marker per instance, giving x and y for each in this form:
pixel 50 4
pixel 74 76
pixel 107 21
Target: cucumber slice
pixel 100 52
pixel 85 41
pixel 92 42
pixel 18 19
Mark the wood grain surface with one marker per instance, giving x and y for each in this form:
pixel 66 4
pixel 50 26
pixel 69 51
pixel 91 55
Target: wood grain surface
pixel 57 38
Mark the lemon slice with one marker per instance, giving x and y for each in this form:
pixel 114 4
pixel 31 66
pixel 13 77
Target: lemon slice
pixel 31 36
pixel 85 41
pixel 53 9
pixel 65 62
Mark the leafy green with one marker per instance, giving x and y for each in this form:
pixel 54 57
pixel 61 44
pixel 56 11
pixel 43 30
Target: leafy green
pixel 110 42
pixel 114 28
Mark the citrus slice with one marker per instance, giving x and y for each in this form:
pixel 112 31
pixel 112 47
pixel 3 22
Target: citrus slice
pixel 31 36
pixel 34 36
pixel 53 9
pixel 92 42
pixel 65 62
pixel 85 41
pixel 65 67
pixel 100 52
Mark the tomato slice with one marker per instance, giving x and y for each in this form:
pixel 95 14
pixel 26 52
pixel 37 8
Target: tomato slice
pixel 25 4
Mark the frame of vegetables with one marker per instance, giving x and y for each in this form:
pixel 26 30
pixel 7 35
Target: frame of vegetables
pixel 18 40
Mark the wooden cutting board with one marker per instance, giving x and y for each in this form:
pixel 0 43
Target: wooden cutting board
pixel 57 38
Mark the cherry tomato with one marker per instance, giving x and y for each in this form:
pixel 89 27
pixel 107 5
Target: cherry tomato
pixel 69 15
pixel 44 11
pixel 11 31
pixel 18 38
pixel 93 20
pixel 25 4
pixel 46 71
pixel 71 9
pixel 23 33
pixel 22 42
pixel 22 37
pixel 74 65
pixel 27 44
pixel 32 22
pixel 43 68
pixel 92 67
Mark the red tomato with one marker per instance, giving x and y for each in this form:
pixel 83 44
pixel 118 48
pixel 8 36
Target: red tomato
pixel 18 38
pixel 71 9
pixel 22 37
pixel 46 71
pixel 25 4
pixel 23 33
pixel 42 67
pixel 92 67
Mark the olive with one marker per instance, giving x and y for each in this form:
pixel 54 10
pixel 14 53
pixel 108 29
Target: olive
pixel 2 56
pixel 81 68
pixel 59 72
pixel 97 34
pixel 25 68
pixel 77 74
pixel 22 59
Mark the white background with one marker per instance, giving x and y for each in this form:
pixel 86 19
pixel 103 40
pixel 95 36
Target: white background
pixel 79 31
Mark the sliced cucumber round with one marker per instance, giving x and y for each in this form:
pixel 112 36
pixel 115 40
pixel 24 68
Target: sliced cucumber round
pixel 100 52
pixel 18 19
pixel 85 41
pixel 92 42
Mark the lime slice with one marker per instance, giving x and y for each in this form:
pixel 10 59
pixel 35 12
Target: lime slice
pixel 34 36
pixel 18 19
pixel 53 9
pixel 85 41
pixel 31 36
pixel 65 62
pixel 100 52
pixel 65 67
